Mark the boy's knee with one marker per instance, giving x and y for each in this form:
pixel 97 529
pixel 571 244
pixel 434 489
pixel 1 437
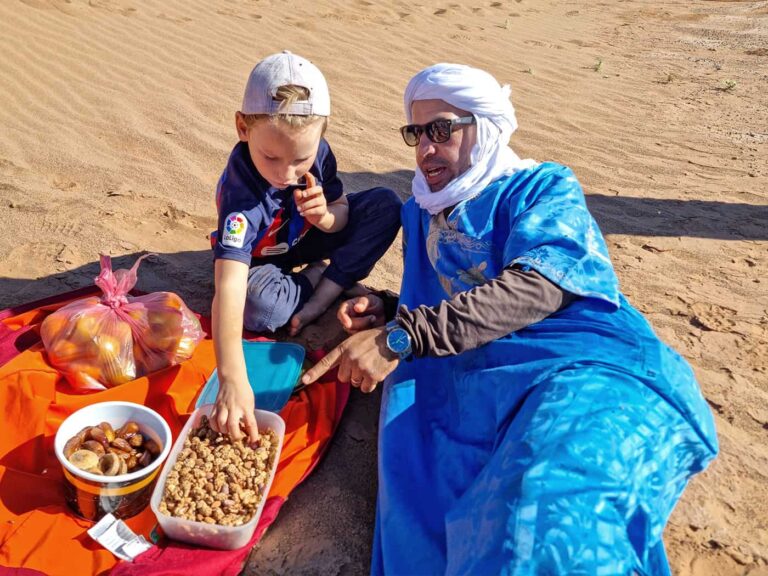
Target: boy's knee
pixel 381 204
pixel 271 299
pixel 388 201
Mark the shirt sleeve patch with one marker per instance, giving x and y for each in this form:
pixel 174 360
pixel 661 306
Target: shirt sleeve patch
pixel 235 226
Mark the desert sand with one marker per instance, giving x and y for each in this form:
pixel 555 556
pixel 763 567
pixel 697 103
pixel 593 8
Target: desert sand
pixel 117 117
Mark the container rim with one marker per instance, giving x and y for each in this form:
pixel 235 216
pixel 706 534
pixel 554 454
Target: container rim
pixel 194 419
pixel 165 436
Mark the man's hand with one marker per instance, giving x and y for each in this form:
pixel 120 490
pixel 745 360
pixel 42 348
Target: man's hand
pixel 310 201
pixel 361 313
pixel 363 359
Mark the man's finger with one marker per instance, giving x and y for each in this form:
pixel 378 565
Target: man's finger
pixel 361 323
pixel 309 178
pixel 346 312
pixel 368 385
pixel 326 363
pixel 344 373
pixel 361 304
pixel 344 318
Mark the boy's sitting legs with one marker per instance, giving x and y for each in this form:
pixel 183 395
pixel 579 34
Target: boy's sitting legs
pixel 374 219
pixel 324 295
pixel 326 292
pixel 274 296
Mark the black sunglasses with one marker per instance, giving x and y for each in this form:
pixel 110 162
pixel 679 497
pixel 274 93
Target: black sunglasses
pixel 438 131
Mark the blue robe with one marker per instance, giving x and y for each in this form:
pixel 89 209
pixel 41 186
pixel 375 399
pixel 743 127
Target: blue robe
pixel 561 448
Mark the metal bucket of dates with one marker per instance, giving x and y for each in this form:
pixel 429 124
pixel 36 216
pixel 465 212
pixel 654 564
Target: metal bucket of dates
pixel 111 454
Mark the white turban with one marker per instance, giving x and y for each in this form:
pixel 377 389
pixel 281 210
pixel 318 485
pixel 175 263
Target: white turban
pixel 491 158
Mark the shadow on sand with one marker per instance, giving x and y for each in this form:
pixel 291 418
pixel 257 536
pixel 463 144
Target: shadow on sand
pixel 190 274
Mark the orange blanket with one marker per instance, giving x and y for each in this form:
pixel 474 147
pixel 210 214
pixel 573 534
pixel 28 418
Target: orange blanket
pixel 37 530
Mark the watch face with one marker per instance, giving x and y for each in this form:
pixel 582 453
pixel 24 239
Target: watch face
pixel 398 341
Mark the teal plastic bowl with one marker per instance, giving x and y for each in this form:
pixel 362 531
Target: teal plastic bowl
pixel 273 371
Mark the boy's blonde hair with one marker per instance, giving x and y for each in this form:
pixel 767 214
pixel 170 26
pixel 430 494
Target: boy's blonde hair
pixel 288 95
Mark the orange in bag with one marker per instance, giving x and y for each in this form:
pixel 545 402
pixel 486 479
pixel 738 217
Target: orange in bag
pixel 102 342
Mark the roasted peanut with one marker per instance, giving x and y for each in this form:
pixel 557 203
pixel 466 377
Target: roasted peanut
pixel 217 481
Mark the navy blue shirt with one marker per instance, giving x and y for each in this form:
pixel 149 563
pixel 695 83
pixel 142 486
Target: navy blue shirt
pixel 257 219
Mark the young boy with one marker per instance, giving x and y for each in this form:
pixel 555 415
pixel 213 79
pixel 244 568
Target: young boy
pixel 281 204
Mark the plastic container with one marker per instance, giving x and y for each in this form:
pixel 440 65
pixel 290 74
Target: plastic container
pixel 92 496
pixel 214 535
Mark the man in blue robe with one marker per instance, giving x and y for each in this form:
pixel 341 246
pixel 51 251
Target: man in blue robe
pixel 532 422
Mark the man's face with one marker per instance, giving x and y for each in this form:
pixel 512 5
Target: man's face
pixel 282 154
pixel 444 162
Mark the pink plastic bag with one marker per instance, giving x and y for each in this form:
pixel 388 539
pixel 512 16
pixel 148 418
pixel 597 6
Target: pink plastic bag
pixel 102 342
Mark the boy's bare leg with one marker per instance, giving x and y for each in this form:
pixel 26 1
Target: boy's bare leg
pixel 325 294
pixel 314 272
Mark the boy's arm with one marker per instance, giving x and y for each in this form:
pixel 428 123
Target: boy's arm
pixel 336 217
pixel 235 401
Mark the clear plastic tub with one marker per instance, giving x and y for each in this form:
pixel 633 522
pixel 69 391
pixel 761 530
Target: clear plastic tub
pixel 214 535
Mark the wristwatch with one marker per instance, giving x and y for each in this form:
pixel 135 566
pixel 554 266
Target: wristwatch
pixel 398 340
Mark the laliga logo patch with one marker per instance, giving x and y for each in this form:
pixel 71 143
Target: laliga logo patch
pixel 234 230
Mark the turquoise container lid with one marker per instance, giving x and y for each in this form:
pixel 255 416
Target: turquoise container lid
pixel 273 371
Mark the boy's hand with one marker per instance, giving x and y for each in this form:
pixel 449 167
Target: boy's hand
pixel 311 201
pixel 233 412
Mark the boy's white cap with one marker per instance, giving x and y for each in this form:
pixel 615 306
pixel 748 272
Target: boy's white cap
pixel 284 69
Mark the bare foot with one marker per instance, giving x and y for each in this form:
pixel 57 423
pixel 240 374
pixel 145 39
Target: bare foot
pixel 310 311
pixel 325 294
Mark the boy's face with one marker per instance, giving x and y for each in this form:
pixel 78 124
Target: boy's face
pixel 282 154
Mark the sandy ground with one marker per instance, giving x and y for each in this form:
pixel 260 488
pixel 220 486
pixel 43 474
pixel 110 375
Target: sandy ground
pixel 116 118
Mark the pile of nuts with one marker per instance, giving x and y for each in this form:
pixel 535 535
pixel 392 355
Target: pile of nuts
pixel 217 481
pixel 108 452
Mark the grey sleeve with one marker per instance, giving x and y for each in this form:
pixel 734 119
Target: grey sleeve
pixel 509 302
